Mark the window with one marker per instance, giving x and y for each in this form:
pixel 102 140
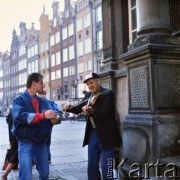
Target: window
pixel 65 88
pixel 53 60
pixel 86 2
pixel 54 22
pixel 36 49
pixel 86 20
pixel 42 64
pixel 53 75
pixel 98 14
pixel 22 50
pixel 80 67
pixel 1 73
pixel 64 33
pixel 88 65
pixel 87 45
pixel 36 66
pixel 81 89
pixel 46 45
pixel 66 13
pixel 70 29
pixel 58 58
pixel 46 78
pixel 46 62
pixel 65 55
pixel 71 52
pixel 58 74
pixel 59 93
pixel 53 94
pixel 80 6
pixel 41 48
pixel 71 70
pixel 79 25
pixel 22 78
pixel 22 64
pixel 80 49
pixel 52 42
pixel 65 72
pixel 57 37
pixel 99 40
pixel 133 20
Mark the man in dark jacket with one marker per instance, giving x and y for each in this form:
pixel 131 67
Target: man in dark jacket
pixel 33 119
pixel 102 134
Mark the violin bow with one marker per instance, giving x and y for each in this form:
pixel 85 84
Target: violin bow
pixel 85 100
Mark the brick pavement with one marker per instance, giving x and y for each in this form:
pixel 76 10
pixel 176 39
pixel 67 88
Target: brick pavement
pixel 69 171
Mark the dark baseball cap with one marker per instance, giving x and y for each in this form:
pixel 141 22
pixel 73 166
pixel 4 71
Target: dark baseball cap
pixel 90 76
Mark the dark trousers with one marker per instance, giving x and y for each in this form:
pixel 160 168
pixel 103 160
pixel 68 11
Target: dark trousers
pixel 96 154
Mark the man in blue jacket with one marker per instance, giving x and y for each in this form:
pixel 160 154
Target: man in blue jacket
pixel 33 120
pixel 59 117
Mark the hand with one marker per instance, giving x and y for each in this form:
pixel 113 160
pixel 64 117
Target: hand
pixel 66 106
pixel 50 114
pixel 88 110
pixel 58 119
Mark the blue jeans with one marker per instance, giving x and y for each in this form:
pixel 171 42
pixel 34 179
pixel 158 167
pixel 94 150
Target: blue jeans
pixel 96 153
pixel 48 143
pixel 27 152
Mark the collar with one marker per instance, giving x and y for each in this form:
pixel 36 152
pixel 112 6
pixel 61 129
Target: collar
pixel 28 95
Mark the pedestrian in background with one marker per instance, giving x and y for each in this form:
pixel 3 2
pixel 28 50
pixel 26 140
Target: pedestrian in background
pixel 59 117
pixel 102 132
pixel 12 161
pixel 33 119
pixel 72 117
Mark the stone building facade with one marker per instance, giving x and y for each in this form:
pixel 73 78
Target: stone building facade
pixel 145 74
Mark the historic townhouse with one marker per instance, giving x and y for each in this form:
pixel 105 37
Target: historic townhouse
pixel 32 44
pixel 44 53
pixel 1 80
pixel 14 56
pixel 6 82
pixel 55 55
pixel 97 41
pixel 69 68
pixel 83 43
pixel 22 63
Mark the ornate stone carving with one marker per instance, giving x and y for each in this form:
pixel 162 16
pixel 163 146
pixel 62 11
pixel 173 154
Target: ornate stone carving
pixel 168 85
pixel 139 87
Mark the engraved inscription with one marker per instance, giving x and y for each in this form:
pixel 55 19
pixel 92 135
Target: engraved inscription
pixel 139 87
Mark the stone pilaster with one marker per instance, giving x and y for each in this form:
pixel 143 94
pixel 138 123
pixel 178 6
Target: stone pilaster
pixel 115 39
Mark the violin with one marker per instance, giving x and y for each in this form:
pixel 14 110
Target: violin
pixel 93 99
pixel 90 101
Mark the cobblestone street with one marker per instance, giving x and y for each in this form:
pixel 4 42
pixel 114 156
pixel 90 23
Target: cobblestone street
pixel 69 159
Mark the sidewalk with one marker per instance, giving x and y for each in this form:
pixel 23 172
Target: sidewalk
pixel 69 159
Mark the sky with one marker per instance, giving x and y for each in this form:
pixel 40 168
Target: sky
pixel 12 12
